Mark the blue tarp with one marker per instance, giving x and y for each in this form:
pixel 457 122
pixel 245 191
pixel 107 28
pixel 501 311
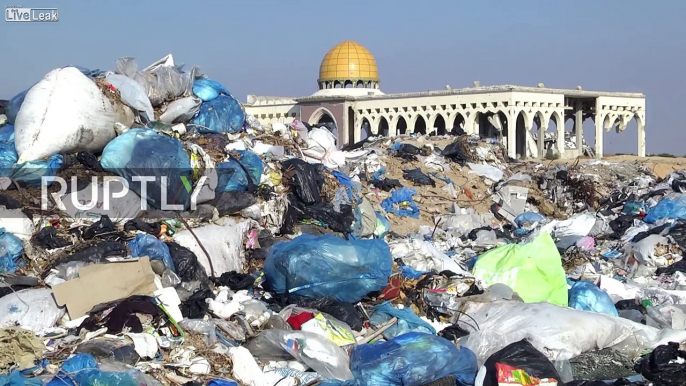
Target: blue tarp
pixel 328 266
pixel 401 203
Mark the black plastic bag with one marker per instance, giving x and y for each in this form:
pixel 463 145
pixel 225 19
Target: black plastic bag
pixel 195 307
pixel 630 304
pixel 455 152
pixel 453 332
pixel 336 221
pixel 418 177
pixel 678 233
pixel 104 225
pixel 521 355
pixel 9 202
pixel 654 231
pixel 137 224
pixel 187 266
pixel 89 160
pixel 656 367
pixel 387 184
pixel 679 266
pixel 98 253
pixel 306 179
pixel 234 280
pixel 47 238
pixel 228 203
pixel 345 312
pixel 621 224
pixel 679 186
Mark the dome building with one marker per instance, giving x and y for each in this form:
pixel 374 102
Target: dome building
pixel 349 98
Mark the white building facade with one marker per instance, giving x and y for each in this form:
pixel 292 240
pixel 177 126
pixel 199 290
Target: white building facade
pixel 350 96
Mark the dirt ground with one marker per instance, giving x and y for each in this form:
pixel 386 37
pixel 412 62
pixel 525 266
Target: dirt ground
pixel 661 166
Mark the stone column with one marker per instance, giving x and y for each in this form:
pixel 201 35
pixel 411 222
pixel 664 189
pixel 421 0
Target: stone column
pixel 641 138
pixel 512 134
pixel 541 140
pixel 598 134
pixel 560 123
pixel 579 128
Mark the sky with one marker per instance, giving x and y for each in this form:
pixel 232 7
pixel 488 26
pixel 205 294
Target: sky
pixel 274 47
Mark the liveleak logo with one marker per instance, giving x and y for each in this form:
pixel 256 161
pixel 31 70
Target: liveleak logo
pixel 40 15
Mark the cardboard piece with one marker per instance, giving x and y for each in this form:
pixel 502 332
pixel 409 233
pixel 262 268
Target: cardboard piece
pixel 103 283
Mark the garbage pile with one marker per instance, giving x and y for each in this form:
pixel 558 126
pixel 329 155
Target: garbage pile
pixel 154 233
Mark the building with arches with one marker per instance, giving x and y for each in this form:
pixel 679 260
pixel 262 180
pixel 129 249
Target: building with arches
pixel 349 95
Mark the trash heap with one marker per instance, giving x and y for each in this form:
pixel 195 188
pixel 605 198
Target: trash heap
pixel 154 233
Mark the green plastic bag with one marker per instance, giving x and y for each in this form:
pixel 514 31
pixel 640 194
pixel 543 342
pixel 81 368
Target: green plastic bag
pixel 532 270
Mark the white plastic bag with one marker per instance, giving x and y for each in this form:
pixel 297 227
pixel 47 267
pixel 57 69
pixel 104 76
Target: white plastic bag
pixel 224 243
pixel 132 93
pixel 487 171
pixel 80 205
pixel 15 222
pixel 161 80
pixel 66 113
pixel 181 110
pixel 566 233
pixel 33 309
pixel 558 332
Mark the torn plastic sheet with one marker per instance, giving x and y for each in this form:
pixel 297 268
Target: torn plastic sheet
pixel 487 171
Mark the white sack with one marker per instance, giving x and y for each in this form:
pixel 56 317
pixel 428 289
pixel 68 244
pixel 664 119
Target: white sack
pixel 559 333
pixel 181 110
pixel 66 113
pixel 322 149
pixel 423 256
pixel 224 243
pixel 33 309
pixel 119 209
pixel 566 233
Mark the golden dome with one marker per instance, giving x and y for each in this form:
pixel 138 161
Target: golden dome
pixel 348 61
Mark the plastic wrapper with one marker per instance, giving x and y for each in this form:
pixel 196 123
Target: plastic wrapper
pixel 33 309
pixel 328 266
pixel 132 93
pixel 407 321
pixel 143 152
pixel 586 296
pixel 181 110
pixel 162 81
pixel 487 171
pixel 322 355
pixel 223 114
pixel 412 359
pixel 521 355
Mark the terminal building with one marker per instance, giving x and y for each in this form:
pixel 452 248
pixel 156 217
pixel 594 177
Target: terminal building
pixel 349 96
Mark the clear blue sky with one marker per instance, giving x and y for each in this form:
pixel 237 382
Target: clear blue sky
pixel 274 47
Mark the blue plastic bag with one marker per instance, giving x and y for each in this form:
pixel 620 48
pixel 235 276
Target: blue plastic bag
pixel 527 219
pixel 14 106
pixel 401 203
pixel 233 177
pixel 8 153
pixel 586 296
pixel 11 249
pixel 208 90
pixel 379 173
pixel 17 378
pixel 148 245
pixel 82 370
pixel 31 173
pixel 222 382
pixel 220 115
pixel 673 206
pixel 407 321
pixel 412 359
pixel 410 273
pixel 144 152
pixel 328 266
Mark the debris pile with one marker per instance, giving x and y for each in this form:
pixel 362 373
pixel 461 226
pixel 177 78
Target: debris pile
pixel 152 232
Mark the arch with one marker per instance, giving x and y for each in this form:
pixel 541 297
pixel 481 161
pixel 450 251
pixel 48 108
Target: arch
pixel 438 127
pixel 348 84
pixel 360 84
pixel 337 84
pixel 457 121
pixel 382 127
pixel 401 126
pixel 322 115
pixel 419 126
pixel 365 129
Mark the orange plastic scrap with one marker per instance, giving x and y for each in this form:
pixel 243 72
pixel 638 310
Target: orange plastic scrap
pixel 469 194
